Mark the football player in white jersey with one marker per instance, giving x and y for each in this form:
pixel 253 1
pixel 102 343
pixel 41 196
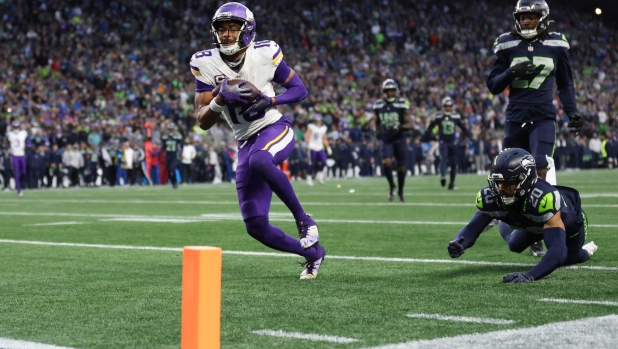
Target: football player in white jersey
pixel 317 142
pixel 265 137
pixel 18 138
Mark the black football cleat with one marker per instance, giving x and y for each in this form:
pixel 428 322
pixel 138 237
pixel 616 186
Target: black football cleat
pixel 391 194
pixel 443 182
pixel 536 249
pixel 401 198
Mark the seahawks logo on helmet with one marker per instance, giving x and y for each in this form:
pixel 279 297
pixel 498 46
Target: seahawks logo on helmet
pixel 538 7
pixel 512 166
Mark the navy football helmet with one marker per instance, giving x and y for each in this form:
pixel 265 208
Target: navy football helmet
pixel 538 7
pixel 237 12
pixel 390 84
pixel 513 166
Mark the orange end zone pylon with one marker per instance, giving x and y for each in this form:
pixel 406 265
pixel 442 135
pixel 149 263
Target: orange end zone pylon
pixel 201 298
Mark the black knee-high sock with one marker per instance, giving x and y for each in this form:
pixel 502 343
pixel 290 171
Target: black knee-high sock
pixel 453 174
pixel 388 173
pixel 401 179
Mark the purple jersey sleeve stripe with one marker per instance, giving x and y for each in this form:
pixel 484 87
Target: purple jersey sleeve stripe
pixel 202 87
pixel 281 73
pixel 277 53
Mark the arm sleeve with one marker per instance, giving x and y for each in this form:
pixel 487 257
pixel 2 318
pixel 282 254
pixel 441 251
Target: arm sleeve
pixel 471 232
pixel 555 240
pixel 500 75
pixel 428 133
pixel 295 90
pixel 564 82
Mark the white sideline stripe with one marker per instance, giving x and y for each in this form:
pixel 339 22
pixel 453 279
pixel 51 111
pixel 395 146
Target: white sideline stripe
pixel 6 343
pixel 53 223
pixel 479 320
pixel 151 220
pixel 200 202
pixel 577 301
pixel 308 336
pixel 274 217
pixel 596 332
pixel 276 254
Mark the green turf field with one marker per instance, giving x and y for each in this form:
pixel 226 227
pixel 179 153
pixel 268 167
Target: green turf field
pixel 93 297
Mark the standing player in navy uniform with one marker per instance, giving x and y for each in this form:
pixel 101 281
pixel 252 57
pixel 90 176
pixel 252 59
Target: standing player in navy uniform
pixel 446 121
pixel 530 209
pixel 529 60
pixel 172 143
pixel 392 118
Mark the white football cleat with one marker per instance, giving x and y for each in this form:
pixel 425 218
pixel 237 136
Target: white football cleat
pixel 590 247
pixel 312 267
pixel 309 181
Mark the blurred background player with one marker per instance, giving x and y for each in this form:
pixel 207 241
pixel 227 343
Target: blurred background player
pixel 447 121
pixel 172 143
pixel 530 209
pixel 528 61
pixel 265 137
pixel 392 118
pixel 17 140
pixel 317 142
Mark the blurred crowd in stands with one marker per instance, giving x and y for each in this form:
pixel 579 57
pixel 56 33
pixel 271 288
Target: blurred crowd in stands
pixel 96 82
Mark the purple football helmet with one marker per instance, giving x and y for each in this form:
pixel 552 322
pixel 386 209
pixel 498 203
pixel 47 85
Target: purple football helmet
pixel 234 11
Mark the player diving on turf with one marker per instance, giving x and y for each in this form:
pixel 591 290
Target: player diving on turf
pixel 530 210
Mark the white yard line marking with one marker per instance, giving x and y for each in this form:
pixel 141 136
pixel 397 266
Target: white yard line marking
pixel 151 220
pixel 576 301
pixel 596 332
pixel 201 202
pixel 274 217
pixel 53 223
pixel 479 320
pixel 307 336
pixel 6 343
pixel 276 254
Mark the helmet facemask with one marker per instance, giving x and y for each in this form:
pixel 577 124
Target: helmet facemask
pixel 237 13
pixel 520 175
pixel 390 84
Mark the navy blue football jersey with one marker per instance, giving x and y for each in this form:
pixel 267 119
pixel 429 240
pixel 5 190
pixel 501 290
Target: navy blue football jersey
pixel 447 126
pixel 172 145
pixel 391 117
pixel 551 59
pixel 538 207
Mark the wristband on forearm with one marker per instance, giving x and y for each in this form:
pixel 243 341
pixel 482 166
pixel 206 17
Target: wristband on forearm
pixel 215 107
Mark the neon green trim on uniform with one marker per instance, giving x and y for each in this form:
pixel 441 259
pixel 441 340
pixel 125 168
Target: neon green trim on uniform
pixel 547 203
pixel 479 200
pixel 564 37
pixel 585 226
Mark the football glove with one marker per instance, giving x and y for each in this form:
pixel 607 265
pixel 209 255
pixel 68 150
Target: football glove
pixel 514 278
pixel 262 102
pixel 234 94
pixel 576 124
pixel 523 69
pixel 455 248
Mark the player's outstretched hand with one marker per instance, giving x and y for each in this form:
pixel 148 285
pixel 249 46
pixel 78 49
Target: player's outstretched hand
pixel 514 278
pixel 234 94
pixel 523 69
pixel 455 248
pixel 576 124
pixel 262 102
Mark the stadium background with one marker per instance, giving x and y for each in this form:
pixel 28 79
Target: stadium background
pixel 101 268
pixel 99 74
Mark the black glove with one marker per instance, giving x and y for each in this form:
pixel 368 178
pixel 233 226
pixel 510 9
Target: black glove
pixel 523 69
pixel 514 278
pixel 455 248
pixel 576 124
